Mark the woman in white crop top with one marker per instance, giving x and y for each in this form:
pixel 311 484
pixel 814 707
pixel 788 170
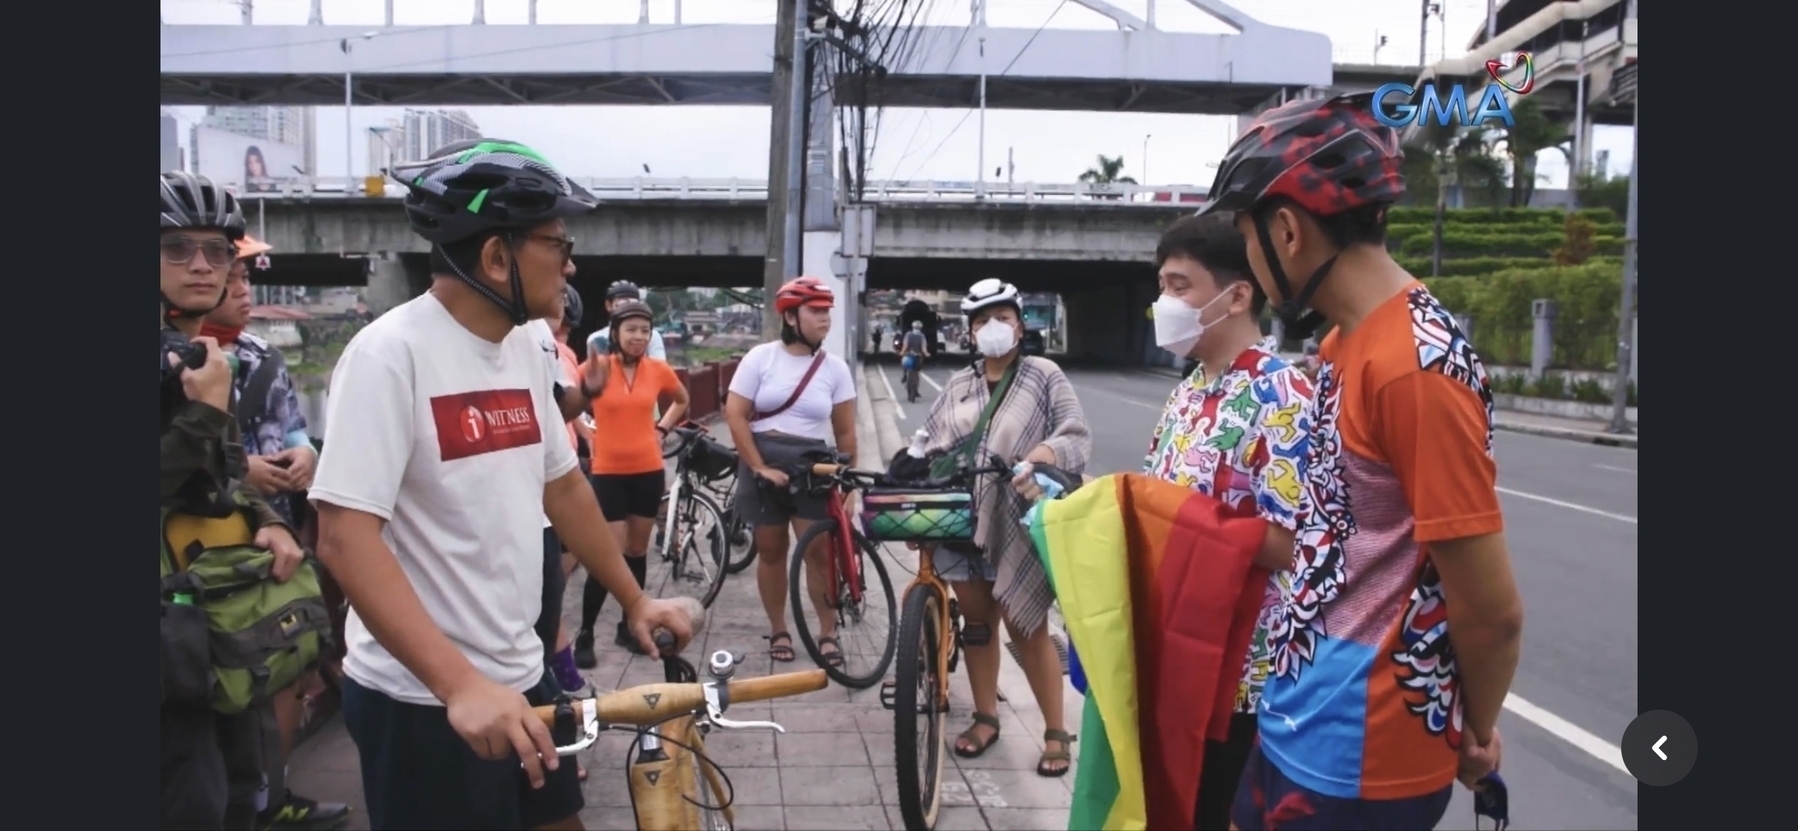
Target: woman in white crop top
pixel 789 397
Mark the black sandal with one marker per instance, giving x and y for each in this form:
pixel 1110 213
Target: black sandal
pixel 1065 754
pixel 782 652
pixel 969 735
pixel 833 658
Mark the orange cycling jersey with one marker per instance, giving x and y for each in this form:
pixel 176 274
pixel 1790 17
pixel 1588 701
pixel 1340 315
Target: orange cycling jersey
pixel 624 412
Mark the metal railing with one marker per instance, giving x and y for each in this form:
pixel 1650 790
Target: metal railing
pixel 756 190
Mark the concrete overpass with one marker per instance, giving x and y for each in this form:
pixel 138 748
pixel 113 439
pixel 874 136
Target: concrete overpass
pixel 1093 251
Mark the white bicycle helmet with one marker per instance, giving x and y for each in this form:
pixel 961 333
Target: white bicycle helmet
pixel 989 292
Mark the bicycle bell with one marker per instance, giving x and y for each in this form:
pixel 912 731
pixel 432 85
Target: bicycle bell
pixel 723 664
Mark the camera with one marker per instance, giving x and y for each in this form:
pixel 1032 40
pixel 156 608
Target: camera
pixel 192 355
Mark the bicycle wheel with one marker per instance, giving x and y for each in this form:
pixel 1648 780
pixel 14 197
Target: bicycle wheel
pixel 696 564
pixel 738 531
pixel 865 628
pixel 918 714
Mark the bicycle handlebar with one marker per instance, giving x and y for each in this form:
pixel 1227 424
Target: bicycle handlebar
pixel 880 479
pixel 687 432
pixel 648 704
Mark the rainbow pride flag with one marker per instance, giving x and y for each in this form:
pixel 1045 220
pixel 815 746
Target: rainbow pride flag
pixel 1158 587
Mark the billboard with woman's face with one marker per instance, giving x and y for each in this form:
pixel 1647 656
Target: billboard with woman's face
pixel 243 163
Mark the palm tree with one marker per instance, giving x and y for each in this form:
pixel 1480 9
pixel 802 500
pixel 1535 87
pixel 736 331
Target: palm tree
pixel 1532 132
pixel 1106 173
pixel 1446 156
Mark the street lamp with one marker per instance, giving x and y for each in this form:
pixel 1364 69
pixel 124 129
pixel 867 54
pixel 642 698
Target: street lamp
pixel 349 135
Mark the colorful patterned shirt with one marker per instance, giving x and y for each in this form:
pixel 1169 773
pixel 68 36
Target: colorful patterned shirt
pixel 276 423
pixel 1241 439
pixel 1364 700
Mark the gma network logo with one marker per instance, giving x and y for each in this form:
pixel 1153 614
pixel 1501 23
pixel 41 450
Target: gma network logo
pixel 1431 105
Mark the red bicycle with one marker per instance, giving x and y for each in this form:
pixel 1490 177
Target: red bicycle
pixel 865 616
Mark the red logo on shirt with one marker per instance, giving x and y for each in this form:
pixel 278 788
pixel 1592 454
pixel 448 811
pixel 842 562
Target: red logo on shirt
pixel 473 423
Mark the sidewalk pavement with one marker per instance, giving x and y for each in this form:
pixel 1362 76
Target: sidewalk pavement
pixel 1555 427
pixel 833 769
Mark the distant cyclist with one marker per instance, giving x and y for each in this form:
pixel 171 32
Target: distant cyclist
pixel 1371 713
pixel 912 352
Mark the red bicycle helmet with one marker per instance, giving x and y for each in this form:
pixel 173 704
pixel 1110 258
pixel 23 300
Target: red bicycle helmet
pixel 803 291
pixel 1328 155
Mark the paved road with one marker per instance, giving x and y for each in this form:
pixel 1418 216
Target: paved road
pixel 1571 523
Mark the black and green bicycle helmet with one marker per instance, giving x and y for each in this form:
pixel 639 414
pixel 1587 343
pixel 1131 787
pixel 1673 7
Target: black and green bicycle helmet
pixel 485 185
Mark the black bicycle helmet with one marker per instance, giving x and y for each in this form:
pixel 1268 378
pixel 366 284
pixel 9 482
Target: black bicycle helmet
pixel 484 185
pixel 625 311
pixel 1328 156
pixel 623 288
pixel 193 201
pixel 572 308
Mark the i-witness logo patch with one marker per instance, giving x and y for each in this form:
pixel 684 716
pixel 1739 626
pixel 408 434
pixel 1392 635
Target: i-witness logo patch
pixel 488 421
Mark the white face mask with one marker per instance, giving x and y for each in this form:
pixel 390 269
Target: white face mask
pixel 1179 326
pixel 995 338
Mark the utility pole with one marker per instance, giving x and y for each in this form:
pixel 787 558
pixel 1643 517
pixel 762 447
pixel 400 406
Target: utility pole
pixel 780 118
pixel 1423 35
pixel 1626 324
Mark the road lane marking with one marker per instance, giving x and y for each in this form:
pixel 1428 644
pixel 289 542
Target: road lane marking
pixel 929 380
pixel 1572 506
pixel 1567 731
pixel 888 383
pixel 1616 468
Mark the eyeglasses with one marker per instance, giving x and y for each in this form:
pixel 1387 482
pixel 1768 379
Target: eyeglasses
pixel 181 250
pixel 566 244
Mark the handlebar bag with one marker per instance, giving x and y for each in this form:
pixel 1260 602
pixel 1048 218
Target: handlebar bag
pixel 710 460
pixel 262 635
pixel 920 516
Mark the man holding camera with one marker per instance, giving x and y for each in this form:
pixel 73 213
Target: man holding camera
pixel 212 763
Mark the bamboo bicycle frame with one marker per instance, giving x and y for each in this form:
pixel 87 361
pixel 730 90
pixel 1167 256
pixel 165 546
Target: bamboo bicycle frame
pixel 664 777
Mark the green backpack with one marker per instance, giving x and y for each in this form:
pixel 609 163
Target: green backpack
pixel 259 635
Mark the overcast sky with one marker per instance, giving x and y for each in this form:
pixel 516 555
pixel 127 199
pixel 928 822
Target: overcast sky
pixel 722 142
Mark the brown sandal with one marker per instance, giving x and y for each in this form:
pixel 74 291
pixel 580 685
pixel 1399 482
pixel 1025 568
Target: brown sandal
pixel 833 658
pixel 779 651
pixel 1065 754
pixel 976 746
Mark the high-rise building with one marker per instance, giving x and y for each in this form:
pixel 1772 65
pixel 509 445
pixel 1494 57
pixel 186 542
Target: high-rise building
pixel 427 130
pixel 294 126
pixel 171 144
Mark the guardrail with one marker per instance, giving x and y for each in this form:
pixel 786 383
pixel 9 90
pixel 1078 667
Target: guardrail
pixel 756 190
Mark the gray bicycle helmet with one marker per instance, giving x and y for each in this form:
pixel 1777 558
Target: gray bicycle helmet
pixel 193 201
pixel 623 288
pixel 572 308
pixel 484 185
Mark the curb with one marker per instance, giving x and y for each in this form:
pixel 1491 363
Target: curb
pixel 1569 434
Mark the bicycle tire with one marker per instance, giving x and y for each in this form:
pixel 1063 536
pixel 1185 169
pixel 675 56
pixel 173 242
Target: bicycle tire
pixel 707 782
pixel 742 555
pixel 918 666
pixel 712 547
pixel 871 561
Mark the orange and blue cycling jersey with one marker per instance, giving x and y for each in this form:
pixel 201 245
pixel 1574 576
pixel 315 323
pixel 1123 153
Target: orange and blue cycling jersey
pixel 1364 699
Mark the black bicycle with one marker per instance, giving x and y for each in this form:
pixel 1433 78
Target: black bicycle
pixel 695 533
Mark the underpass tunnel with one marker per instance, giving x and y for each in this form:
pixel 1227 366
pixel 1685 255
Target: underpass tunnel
pixel 1104 302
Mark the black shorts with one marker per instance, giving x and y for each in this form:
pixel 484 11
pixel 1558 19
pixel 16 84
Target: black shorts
pixel 554 583
pixel 211 767
pixel 417 772
pixel 630 494
pixel 761 504
pixel 1222 774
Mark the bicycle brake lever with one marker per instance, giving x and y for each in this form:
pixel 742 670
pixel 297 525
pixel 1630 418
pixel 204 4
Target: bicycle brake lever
pixel 589 729
pixel 715 714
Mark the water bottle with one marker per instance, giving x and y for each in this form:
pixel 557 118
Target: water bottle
pixel 918 440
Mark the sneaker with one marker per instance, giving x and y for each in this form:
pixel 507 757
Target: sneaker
pixel 628 640
pixel 297 813
pixel 583 650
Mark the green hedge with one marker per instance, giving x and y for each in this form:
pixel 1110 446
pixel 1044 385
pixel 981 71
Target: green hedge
pixel 1496 216
pixel 1463 244
pixel 1585 332
pixel 1482 266
pixel 1398 234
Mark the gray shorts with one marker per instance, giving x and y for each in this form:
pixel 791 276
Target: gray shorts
pixel 959 562
pixel 760 503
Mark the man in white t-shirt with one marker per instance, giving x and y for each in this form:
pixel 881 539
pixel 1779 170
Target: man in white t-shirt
pixel 789 398
pixel 447 448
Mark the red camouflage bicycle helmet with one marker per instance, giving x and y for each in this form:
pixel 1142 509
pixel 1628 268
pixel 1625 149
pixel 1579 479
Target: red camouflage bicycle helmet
pixel 1326 155
pixel 803 291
